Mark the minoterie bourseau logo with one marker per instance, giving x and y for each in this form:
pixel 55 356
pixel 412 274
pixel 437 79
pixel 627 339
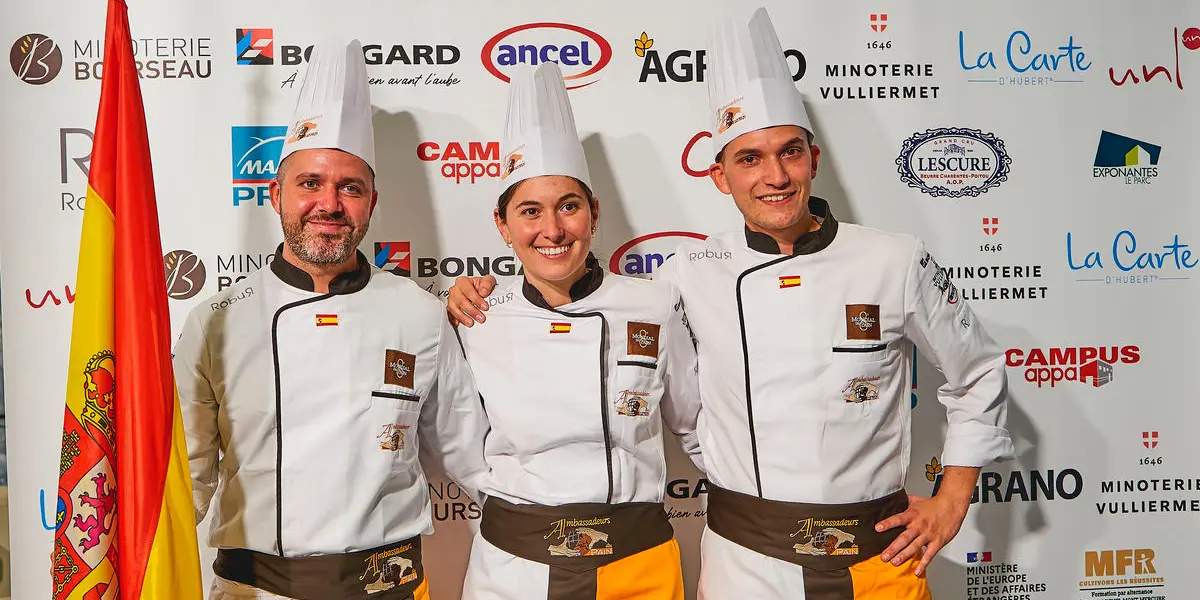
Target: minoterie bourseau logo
pixel 581 53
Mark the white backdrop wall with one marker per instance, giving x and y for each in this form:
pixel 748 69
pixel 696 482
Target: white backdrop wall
pixel 1070 232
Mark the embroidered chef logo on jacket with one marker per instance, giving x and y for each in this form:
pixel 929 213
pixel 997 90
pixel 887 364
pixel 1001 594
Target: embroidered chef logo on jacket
pixel 862 322
pixel 861 389
pixel 633 404
pixel 825 537
pixel 398 368
pixel 386 570
pixel 392 437
pixel 643 339
pixel 578 537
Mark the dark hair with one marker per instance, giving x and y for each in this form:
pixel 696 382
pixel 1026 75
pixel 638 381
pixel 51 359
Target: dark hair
pixel 807 135
pixel 507 196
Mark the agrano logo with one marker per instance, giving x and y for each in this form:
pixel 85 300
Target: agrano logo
pixel 581 60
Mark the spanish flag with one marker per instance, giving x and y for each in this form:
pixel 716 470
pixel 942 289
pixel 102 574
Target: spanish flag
pixel 123 473
pixel 788 281
pixel 560 328
pixel 327 320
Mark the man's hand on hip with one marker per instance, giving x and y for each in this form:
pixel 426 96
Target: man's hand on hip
pixel 930 523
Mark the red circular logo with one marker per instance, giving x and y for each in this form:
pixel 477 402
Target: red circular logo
pixel 579 62
pixel 1191 38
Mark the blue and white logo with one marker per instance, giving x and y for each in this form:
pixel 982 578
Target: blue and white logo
pixel 953 162
pixel 1128 260
pixel 256 152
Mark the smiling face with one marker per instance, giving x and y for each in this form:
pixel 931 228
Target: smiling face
pixel 550 224
pixel 769 172
pixel 324 198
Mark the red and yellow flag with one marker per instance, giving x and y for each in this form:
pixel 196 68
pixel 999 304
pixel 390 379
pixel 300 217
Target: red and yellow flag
pixel 123 474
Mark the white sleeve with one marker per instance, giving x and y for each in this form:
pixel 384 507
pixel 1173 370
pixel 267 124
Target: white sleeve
pixel 681 395
pixel 947 332
pixel 453 423
pixel 198 407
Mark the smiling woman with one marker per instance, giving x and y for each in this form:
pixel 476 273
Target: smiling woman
pixel 580 371
pixel 549 222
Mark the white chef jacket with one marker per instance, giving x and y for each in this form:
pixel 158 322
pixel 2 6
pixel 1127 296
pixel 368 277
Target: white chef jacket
pixel 618 357
pixel 305 413
pixel 804 367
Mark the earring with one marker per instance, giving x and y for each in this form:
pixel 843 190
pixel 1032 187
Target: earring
pixel 508 243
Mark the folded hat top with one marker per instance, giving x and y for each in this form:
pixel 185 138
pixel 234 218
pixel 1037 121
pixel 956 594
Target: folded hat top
pixel 333 109
pixel 539 133
pixel 750 85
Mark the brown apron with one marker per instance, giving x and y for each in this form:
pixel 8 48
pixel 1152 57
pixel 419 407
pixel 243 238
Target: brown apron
pixel 391 572
pixel 574 540
pixel 824 539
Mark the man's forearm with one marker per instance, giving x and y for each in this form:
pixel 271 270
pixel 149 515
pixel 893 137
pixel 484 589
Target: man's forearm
pixel 958 483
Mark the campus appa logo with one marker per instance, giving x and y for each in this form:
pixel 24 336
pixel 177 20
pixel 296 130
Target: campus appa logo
pixel 581 53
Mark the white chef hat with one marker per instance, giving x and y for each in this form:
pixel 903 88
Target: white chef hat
pixel 750 85
pixel 539 133
pixel 334 106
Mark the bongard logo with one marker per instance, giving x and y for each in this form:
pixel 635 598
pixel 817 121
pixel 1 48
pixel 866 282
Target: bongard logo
pixel 35 59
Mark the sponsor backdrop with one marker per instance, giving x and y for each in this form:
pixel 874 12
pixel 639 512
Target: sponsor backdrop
pixel 1046 152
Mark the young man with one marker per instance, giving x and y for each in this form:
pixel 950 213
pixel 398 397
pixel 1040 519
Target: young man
pixel 802 327
pixel 310 389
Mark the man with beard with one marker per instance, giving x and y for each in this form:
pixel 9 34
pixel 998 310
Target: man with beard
pixel 313 390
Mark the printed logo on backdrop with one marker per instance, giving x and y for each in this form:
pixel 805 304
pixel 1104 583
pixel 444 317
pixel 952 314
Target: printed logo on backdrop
pixel 256 152
pixel 397 257
pixel 1015 486
pixel 155 58
pixel 990 579
pixel 394 257
pixel 1125 159
pixel 1161 74
pixel 74 157
pixel 696 166
pixel 255 46
pixel 640 256
pixel 185 274
pixel 451 503
pixel 49 297
pixel 953 162
pixel 1021 60
pixel 686 489
pixel 233 268
pixel 387 64
pixel 35 59
pixel 988 279
pixel 1128 260
pixel 1144 488
pixel 1088 365
pixel 581 53
pixel 1127 573
pixel 688 65
pixel 879 80
pixel 463 162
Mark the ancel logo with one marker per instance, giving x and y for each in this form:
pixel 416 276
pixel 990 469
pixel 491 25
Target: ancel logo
pixel 641 255
pixel 580 53
pixel 1087 365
